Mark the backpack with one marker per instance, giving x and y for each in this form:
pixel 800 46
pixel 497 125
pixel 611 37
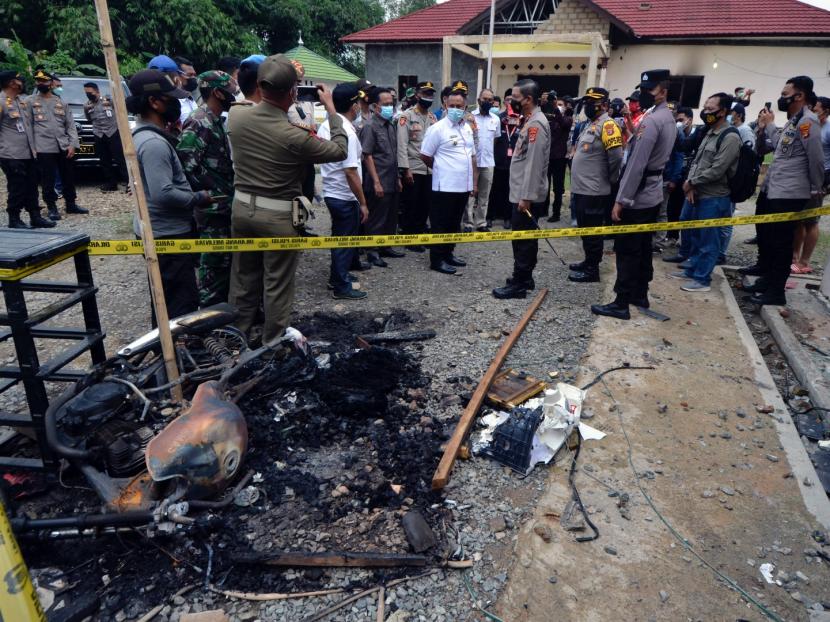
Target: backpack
pixel 743 183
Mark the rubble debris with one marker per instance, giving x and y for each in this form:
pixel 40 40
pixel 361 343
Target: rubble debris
pixel 398 336
pixel 418 533
pixel 214 615
pixel 767 571
pixel 442 473
pixel 513 439
pixel 276 596
pixel 572 518
pixel 511 388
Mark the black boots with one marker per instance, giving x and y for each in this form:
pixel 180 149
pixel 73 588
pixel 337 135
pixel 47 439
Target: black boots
pixel 614 309
pixel 39 222
pixel 16 223
pixel 53 212
pixel 74 208
pixel 514 289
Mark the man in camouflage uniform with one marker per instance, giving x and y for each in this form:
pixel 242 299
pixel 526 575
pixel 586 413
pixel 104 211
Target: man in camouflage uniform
pixel 204 151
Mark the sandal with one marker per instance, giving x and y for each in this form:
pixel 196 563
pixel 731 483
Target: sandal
pixel 795 269
pixel 805 269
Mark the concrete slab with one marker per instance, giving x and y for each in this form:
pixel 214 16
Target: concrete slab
pixel 723 475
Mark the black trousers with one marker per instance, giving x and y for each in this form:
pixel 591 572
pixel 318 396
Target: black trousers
pixel 775 243
pixel 415 201
pixel 499 206
pixel 590 212
pixel 308 182
pixel 556 181
pixel 21 184
pixel 110 151
pixel 47 164
pixel 178 280
pixel 525 252
pixel 445 214
pixel 634 269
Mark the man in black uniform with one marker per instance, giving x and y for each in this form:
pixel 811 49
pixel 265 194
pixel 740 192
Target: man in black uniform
pixel 641 195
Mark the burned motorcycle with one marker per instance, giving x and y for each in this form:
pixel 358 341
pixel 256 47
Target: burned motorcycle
pixel 150 460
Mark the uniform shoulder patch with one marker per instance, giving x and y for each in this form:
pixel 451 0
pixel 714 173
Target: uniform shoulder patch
pixel 611 135
pixel 804 128
pixel 532 132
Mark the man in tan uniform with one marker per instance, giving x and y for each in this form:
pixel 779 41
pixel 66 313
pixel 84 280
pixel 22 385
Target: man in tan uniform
pixel 270 157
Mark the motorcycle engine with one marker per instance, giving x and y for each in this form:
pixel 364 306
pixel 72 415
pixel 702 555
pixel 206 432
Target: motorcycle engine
pixel 104 415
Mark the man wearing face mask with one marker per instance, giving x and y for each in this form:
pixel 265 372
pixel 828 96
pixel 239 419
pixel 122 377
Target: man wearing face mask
pixel 707 191
pixel 18 155
pixel 488 126
pixel 100 112
pixel 270 158
pixel 381 184
pixel 170 200
pixel 416 176
pixel 560 129
pixel 449 149
pixel 56 140
pixel 190 83
pixel 641 195
pixel 794 179
pixel 301 114
pixel 204 151
pixel 595 167
pixel 528 185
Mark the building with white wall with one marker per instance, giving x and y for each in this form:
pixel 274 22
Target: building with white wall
pixel 569 45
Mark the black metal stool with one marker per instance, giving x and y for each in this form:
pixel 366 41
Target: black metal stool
pixel 22 254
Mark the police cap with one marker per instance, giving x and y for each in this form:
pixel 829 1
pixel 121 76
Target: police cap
pixel 8 76
pixel 277 73
pixel 346 92
pixel 459 86
pixel 425 86
pixel 154 82
pixel 650 79
pixel 42 75
pixel 596 92
pixel 634 97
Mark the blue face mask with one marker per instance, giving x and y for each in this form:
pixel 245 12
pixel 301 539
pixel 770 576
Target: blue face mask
pixel 58 90
pixel 387 112
pixel 729 119
pixel 455 114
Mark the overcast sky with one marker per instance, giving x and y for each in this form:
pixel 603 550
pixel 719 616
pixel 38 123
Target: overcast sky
pixel 824 4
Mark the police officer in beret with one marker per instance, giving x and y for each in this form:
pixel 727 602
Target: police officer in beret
pixel 271 156
pixel 641 195
pixel 17 154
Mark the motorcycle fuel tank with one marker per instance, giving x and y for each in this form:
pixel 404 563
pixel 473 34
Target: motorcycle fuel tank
pixel 204 446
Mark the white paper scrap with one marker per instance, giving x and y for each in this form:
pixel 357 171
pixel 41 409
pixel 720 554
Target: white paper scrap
pixel 590 434
pixel 766 572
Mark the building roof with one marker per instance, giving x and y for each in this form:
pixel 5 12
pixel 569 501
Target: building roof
pixel 429 24
pixel 641 18
pixel 319 68
pixel 727 18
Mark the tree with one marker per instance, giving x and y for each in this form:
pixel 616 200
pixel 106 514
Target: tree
pixel 398 8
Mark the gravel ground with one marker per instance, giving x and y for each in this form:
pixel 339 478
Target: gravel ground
pixel 487 502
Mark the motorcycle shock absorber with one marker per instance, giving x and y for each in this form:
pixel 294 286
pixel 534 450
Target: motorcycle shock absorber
pixel 217 350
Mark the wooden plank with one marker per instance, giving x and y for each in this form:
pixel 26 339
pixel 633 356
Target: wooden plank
pixel 398 336
pixel 156 291
pixel 334 559
pixel 442 473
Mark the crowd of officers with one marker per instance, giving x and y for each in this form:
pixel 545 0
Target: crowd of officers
pixel 231 154
pixel 38 140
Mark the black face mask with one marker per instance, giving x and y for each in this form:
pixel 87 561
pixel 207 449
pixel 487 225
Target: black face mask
pixel 425 103
pixel 485 107
pixel 709 118
pixel 43 88
pixel 646 100
pixel 172 109
pixel 785 102
pixel 191 84
pixel 516 106
pixel 92 97
pixel 591 109
pixel 226 100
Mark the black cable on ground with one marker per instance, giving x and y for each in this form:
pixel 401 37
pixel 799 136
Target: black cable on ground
pixel 575 494
pixel 601 375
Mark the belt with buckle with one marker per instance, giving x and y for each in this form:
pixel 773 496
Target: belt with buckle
pixel 276 205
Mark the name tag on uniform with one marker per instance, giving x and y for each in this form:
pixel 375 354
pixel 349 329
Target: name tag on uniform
pixel 108 113
pixel 20 127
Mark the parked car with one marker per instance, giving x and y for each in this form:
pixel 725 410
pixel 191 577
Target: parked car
pixel 75 97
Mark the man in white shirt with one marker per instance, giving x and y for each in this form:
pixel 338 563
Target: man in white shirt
pixel 449 150
pixel 343 192
pixel 489 128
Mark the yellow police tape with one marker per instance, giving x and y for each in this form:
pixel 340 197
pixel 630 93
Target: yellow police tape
pixel 18 599
pixel 236 245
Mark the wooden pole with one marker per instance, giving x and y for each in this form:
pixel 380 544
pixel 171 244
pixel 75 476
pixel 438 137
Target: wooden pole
pixel 156 291
pixel 442 473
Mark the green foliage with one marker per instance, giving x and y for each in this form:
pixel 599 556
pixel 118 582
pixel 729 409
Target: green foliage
pixel 202 30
